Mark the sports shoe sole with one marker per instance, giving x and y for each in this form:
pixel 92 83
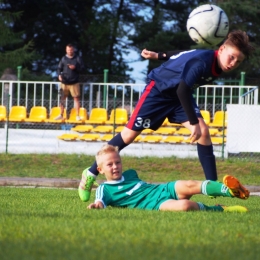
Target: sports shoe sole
pixel 237 189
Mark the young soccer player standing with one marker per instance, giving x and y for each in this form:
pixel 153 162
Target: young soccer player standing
pixel 168 94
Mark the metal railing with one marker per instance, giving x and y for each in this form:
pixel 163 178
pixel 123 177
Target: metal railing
pixel 107 95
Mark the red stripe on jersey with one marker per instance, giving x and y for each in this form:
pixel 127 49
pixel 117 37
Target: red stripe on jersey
pixel 213 68
pixel 139 104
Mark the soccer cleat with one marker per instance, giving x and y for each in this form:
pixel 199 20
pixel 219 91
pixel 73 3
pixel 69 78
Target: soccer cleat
pixel 235 187
pixel 239 209
pixel 86 185
pixel 58 117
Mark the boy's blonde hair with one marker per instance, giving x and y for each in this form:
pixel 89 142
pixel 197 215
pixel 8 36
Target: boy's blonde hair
pixel 105 149
pixel 240 40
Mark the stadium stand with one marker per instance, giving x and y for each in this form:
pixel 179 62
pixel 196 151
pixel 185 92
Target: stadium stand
pixel 72 117
pixel 206 116
pixel 103 129
pixel 97 116
pixel 173 139
pixel 82 128
pixel 3 113
pixel 55 111
pixel 89 137
pixel 165 130
pixel 118 116
pixel 218 119
pixel 38 114
pixel 17 114
pixel 68 137
pixel 106 137
pixel 147 131
pixel 151 139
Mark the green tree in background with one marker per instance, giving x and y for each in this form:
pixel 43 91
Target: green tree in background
pixel 104 32
pixel 13 50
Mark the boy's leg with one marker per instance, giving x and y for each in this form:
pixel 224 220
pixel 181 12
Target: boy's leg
pixel 185 189
pixel 187 205
pixel 205 149
pixel 208 161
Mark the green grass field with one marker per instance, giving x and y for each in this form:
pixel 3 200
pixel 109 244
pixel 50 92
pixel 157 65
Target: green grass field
pixel 50 224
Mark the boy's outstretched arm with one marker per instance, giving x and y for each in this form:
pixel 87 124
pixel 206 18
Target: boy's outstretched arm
pixel 96 205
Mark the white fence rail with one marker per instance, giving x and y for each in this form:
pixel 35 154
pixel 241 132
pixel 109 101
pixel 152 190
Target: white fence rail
pixel 28 94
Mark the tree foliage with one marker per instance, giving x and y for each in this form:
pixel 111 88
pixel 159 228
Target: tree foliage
pixel 105 30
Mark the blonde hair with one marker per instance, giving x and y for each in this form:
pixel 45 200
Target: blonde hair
pixel 240 40
pixel 105 149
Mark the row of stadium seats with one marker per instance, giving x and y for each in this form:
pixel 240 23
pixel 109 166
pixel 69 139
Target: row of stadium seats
pixel 145 139
pixel 38 114
pixel 163 130
pixel 98 116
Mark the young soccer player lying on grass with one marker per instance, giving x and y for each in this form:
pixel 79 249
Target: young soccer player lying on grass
pixel 127 190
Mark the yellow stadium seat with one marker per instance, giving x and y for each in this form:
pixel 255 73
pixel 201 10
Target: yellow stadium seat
pixel 217 140
pixel 72 117
pixel 68 137
pixel 82 128
pixel 97 116
pixel 17 114
pixel 220 133
pixel 165 122
pixel 174 139
pixel 206 116
pixel 2 113
pixel 213 131
pixel 137 139
pixel 183 131
pixel 118 116
pixel 103 129
pixel 89 137
pixel 55 111
pixel 174 124
pixel 38 114
pixel 147 131
pixel 165 130
pixel 106 137
pixel 152 139
pixel 218 119
pixel 187 140
pixel 119 129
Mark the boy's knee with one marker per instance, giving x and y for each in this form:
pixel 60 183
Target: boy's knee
pixel 186 205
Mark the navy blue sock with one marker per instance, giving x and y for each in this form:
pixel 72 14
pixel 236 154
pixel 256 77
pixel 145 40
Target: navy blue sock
pixel 208 162
pixel 117 140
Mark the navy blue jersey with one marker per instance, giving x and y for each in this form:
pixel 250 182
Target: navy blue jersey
pixel 195 67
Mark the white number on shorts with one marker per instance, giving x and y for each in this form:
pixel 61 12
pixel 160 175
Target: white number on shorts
pixel 145 123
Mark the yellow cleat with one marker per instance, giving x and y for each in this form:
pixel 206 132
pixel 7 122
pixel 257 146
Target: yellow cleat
pixel 239 209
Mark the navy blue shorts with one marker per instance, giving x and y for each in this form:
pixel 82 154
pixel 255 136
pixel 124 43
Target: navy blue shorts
pixel 153 107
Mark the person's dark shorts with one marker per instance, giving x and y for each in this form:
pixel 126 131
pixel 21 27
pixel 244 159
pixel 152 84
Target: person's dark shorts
pixel 153 107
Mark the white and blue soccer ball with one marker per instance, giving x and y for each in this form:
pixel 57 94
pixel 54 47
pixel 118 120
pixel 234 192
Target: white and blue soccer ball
pixel 208 25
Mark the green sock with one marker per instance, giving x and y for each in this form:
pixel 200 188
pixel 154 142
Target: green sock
pixel 210 208
pixel 214 188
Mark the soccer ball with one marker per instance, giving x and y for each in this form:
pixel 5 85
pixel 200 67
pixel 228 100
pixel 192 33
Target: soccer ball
pixel 207 25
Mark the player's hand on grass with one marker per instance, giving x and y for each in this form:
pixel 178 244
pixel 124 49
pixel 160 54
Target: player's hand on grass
pixel 97 205
pixel 149 54
pixel 195 133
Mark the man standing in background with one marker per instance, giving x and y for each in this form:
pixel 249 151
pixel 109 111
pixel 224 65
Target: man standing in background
pixel 68 71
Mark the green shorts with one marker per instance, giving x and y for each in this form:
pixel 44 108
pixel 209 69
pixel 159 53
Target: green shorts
pixel 160 194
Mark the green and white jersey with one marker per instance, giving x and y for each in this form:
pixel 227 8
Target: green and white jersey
pixel 132 192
